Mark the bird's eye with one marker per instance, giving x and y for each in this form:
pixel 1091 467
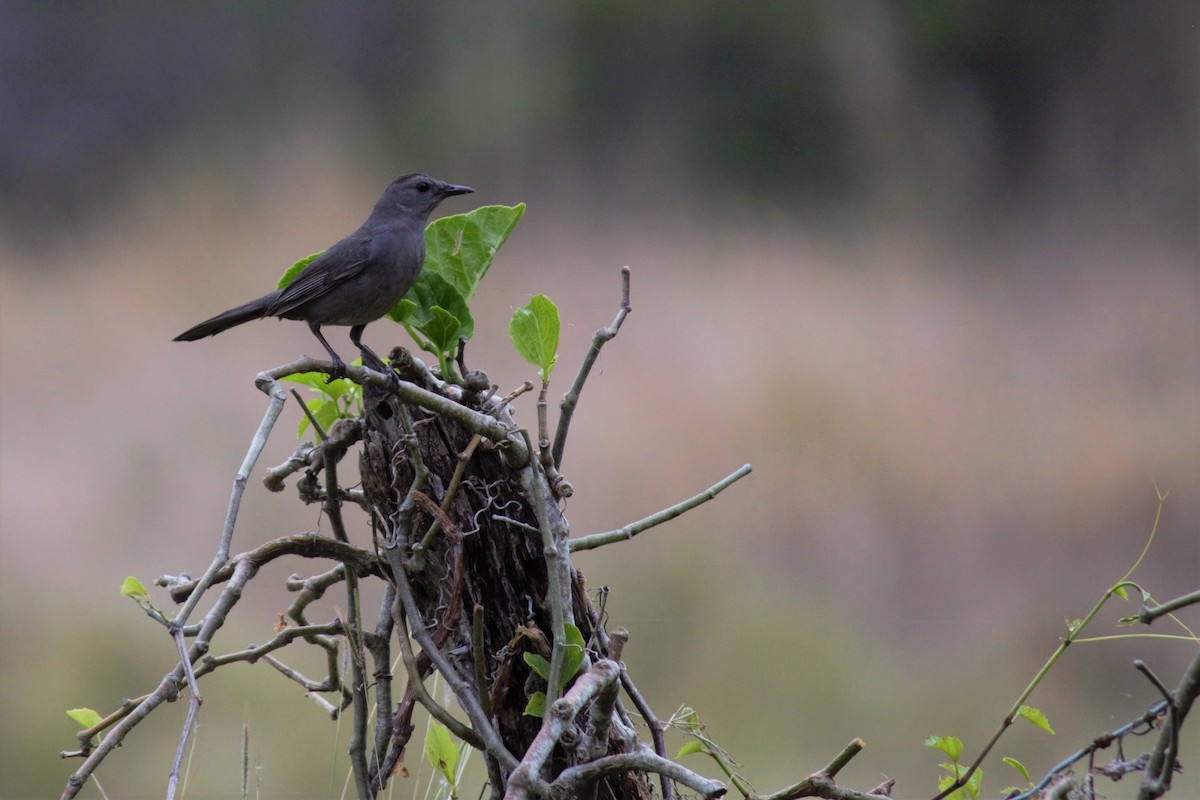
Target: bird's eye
pixel 423 186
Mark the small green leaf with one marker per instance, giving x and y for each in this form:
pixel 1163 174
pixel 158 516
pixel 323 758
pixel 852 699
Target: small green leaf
pixel 320 382
pixel 950 745
pixel 132 587
pixel 693 746
pixel 538 664
pixel 460 248
pixel 1036 717
pixel 291 272
pixel 1019 767
pixel 441 751
pixel 573 652
pixel 534 330
pixel 536 707
pixel 403 310
pixel 85 717
pixel 975 783
pixel 1121 593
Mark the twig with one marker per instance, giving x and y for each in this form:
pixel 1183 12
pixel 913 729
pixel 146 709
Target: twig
pixel 558 565
pixel 278 395
pixel 481 734
pixel 476 422
pixel 634 528
pixel 571 398
pixel 168 687
pixel 1161 764
pixel 194 701
pixel 559 715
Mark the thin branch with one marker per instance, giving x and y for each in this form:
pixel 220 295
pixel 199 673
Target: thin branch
pixel 476 422
pixel 558 565
pixel 482 735
pixel 168 687
pixel 571 780
pixel 1148 615
pixel 571 398
pixel 559 715
pixel 1161 763
pixel 278 396
pixel 634 528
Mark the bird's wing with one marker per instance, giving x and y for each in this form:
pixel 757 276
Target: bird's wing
pixel 333 267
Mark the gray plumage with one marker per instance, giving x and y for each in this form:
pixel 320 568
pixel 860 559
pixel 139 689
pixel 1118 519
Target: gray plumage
pixel 357 280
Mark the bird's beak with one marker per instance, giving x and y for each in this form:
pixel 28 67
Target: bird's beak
pixel 452 190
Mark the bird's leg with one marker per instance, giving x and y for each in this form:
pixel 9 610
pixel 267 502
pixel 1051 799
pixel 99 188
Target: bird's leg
pixel 368 354
pixel 339 366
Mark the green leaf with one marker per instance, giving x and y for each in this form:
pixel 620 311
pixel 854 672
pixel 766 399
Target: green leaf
pixel 694 746
pixel 573 652
pixel 975 783
pixel 950 745
pixel 1121 593
pixel 1036 717
pixel 441 751
pixel 132 587
pixel 317 382
pixel 534 330
pixel 461 247
pixel 1019 767
pixel 538 664
pixel 291 272
pixel 443 330
pixel 536 707
pixel 86 717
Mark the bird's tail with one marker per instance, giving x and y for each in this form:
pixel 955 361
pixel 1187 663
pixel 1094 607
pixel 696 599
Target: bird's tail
pixel 255 309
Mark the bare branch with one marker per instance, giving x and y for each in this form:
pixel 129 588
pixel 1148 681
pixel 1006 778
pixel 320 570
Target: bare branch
pixel 571 398
pixel 634 528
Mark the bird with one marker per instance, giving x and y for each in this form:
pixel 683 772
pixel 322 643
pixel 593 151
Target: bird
pixel 359 279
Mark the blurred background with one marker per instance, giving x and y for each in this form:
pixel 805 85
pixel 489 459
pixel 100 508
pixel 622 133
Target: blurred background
pixel 932 268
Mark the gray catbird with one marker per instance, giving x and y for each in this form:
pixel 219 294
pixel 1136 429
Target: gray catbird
pixel 360 278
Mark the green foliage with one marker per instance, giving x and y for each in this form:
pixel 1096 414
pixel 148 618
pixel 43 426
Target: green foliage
pixel 1019 767
pixel 534 332
pixel 573 652
pixel 136 590
pixel 335 399
pixel 458 252
pixel 1037 717
pixel 85 718
pixel 442 753
pixel 291 272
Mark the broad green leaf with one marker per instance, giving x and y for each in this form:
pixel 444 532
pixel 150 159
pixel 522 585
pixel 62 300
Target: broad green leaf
pixel 85 717
pixel 1019 767
pixel 950 745
pixel 573 651
pixel 461 247
pixel 441 751
pixel 444 330
pixel 132 587
pixel 534 330
pixel 291 272
pixel 1036 717
pixel 538 664
pixel 536 707
pixel 403 310
pixel 693 746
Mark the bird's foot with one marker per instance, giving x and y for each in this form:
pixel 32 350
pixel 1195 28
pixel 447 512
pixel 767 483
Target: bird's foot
pixel 338 372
